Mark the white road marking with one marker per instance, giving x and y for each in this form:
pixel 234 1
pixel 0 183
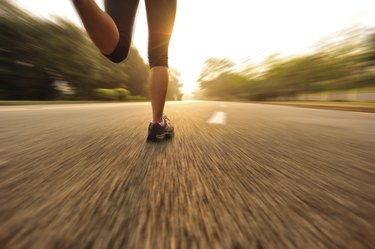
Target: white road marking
pixel 218 118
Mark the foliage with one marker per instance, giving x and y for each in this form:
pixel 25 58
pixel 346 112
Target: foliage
pixel 174 85
pixel 120 94
pixel 105 94
pixel 35 53
pixel 137 98
pixel 346 64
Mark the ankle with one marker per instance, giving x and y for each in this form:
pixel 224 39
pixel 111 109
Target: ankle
pixel 157 121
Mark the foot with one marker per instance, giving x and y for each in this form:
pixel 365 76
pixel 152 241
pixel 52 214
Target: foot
pixel 160 131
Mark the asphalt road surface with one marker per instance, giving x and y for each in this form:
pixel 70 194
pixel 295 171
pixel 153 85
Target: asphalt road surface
pixel 235 176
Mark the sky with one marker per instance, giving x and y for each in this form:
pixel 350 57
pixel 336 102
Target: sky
pixel 241 30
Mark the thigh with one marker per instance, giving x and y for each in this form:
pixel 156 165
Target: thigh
pixel 160 18
pixel 123 13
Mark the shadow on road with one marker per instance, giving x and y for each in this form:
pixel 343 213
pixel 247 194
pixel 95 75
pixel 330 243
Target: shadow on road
pixel 134 195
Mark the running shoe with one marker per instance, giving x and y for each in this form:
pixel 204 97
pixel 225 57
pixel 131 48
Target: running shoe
pixel 158 132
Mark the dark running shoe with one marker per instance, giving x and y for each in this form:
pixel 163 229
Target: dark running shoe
pixel 157 132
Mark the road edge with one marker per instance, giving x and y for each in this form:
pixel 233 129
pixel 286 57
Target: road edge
pixel 352 108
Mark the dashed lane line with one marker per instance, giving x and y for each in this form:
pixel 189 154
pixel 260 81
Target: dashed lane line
pixel 218 118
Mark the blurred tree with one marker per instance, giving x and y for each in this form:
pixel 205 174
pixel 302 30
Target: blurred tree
pixel 341 62
pixel 369 55
pixel 138 72
pixel 35 52
pixel 213 67
pixel 174 85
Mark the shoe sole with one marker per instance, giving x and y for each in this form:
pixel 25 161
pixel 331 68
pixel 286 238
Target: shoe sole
pixel 160 137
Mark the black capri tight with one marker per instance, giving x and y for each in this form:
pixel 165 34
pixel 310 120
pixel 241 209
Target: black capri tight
pixel 160 19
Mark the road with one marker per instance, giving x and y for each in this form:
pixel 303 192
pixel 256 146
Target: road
pixel 235 176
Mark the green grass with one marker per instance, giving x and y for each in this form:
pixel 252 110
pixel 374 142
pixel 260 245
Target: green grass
pixel 136 98
pixel 48 102
pixel 44 102
pixel 371 104
pixel 370 89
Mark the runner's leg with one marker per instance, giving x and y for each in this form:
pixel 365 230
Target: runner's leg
pixel 110 31
pixel 123 13
pixel 160 17
pixel 98 24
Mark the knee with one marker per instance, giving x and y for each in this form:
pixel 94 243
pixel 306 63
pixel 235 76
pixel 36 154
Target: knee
pixel 118 57
pixel 158 58
pixel 120 53
pixel 158 63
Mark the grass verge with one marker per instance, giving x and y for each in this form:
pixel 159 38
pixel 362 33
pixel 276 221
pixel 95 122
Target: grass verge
pixel 341 103
pixel 368 107
pixel 49 102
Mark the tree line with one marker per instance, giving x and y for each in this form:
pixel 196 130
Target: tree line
pixel 43 59
pixel 343 61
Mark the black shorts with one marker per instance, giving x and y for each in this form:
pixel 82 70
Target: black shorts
pixel 160 18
